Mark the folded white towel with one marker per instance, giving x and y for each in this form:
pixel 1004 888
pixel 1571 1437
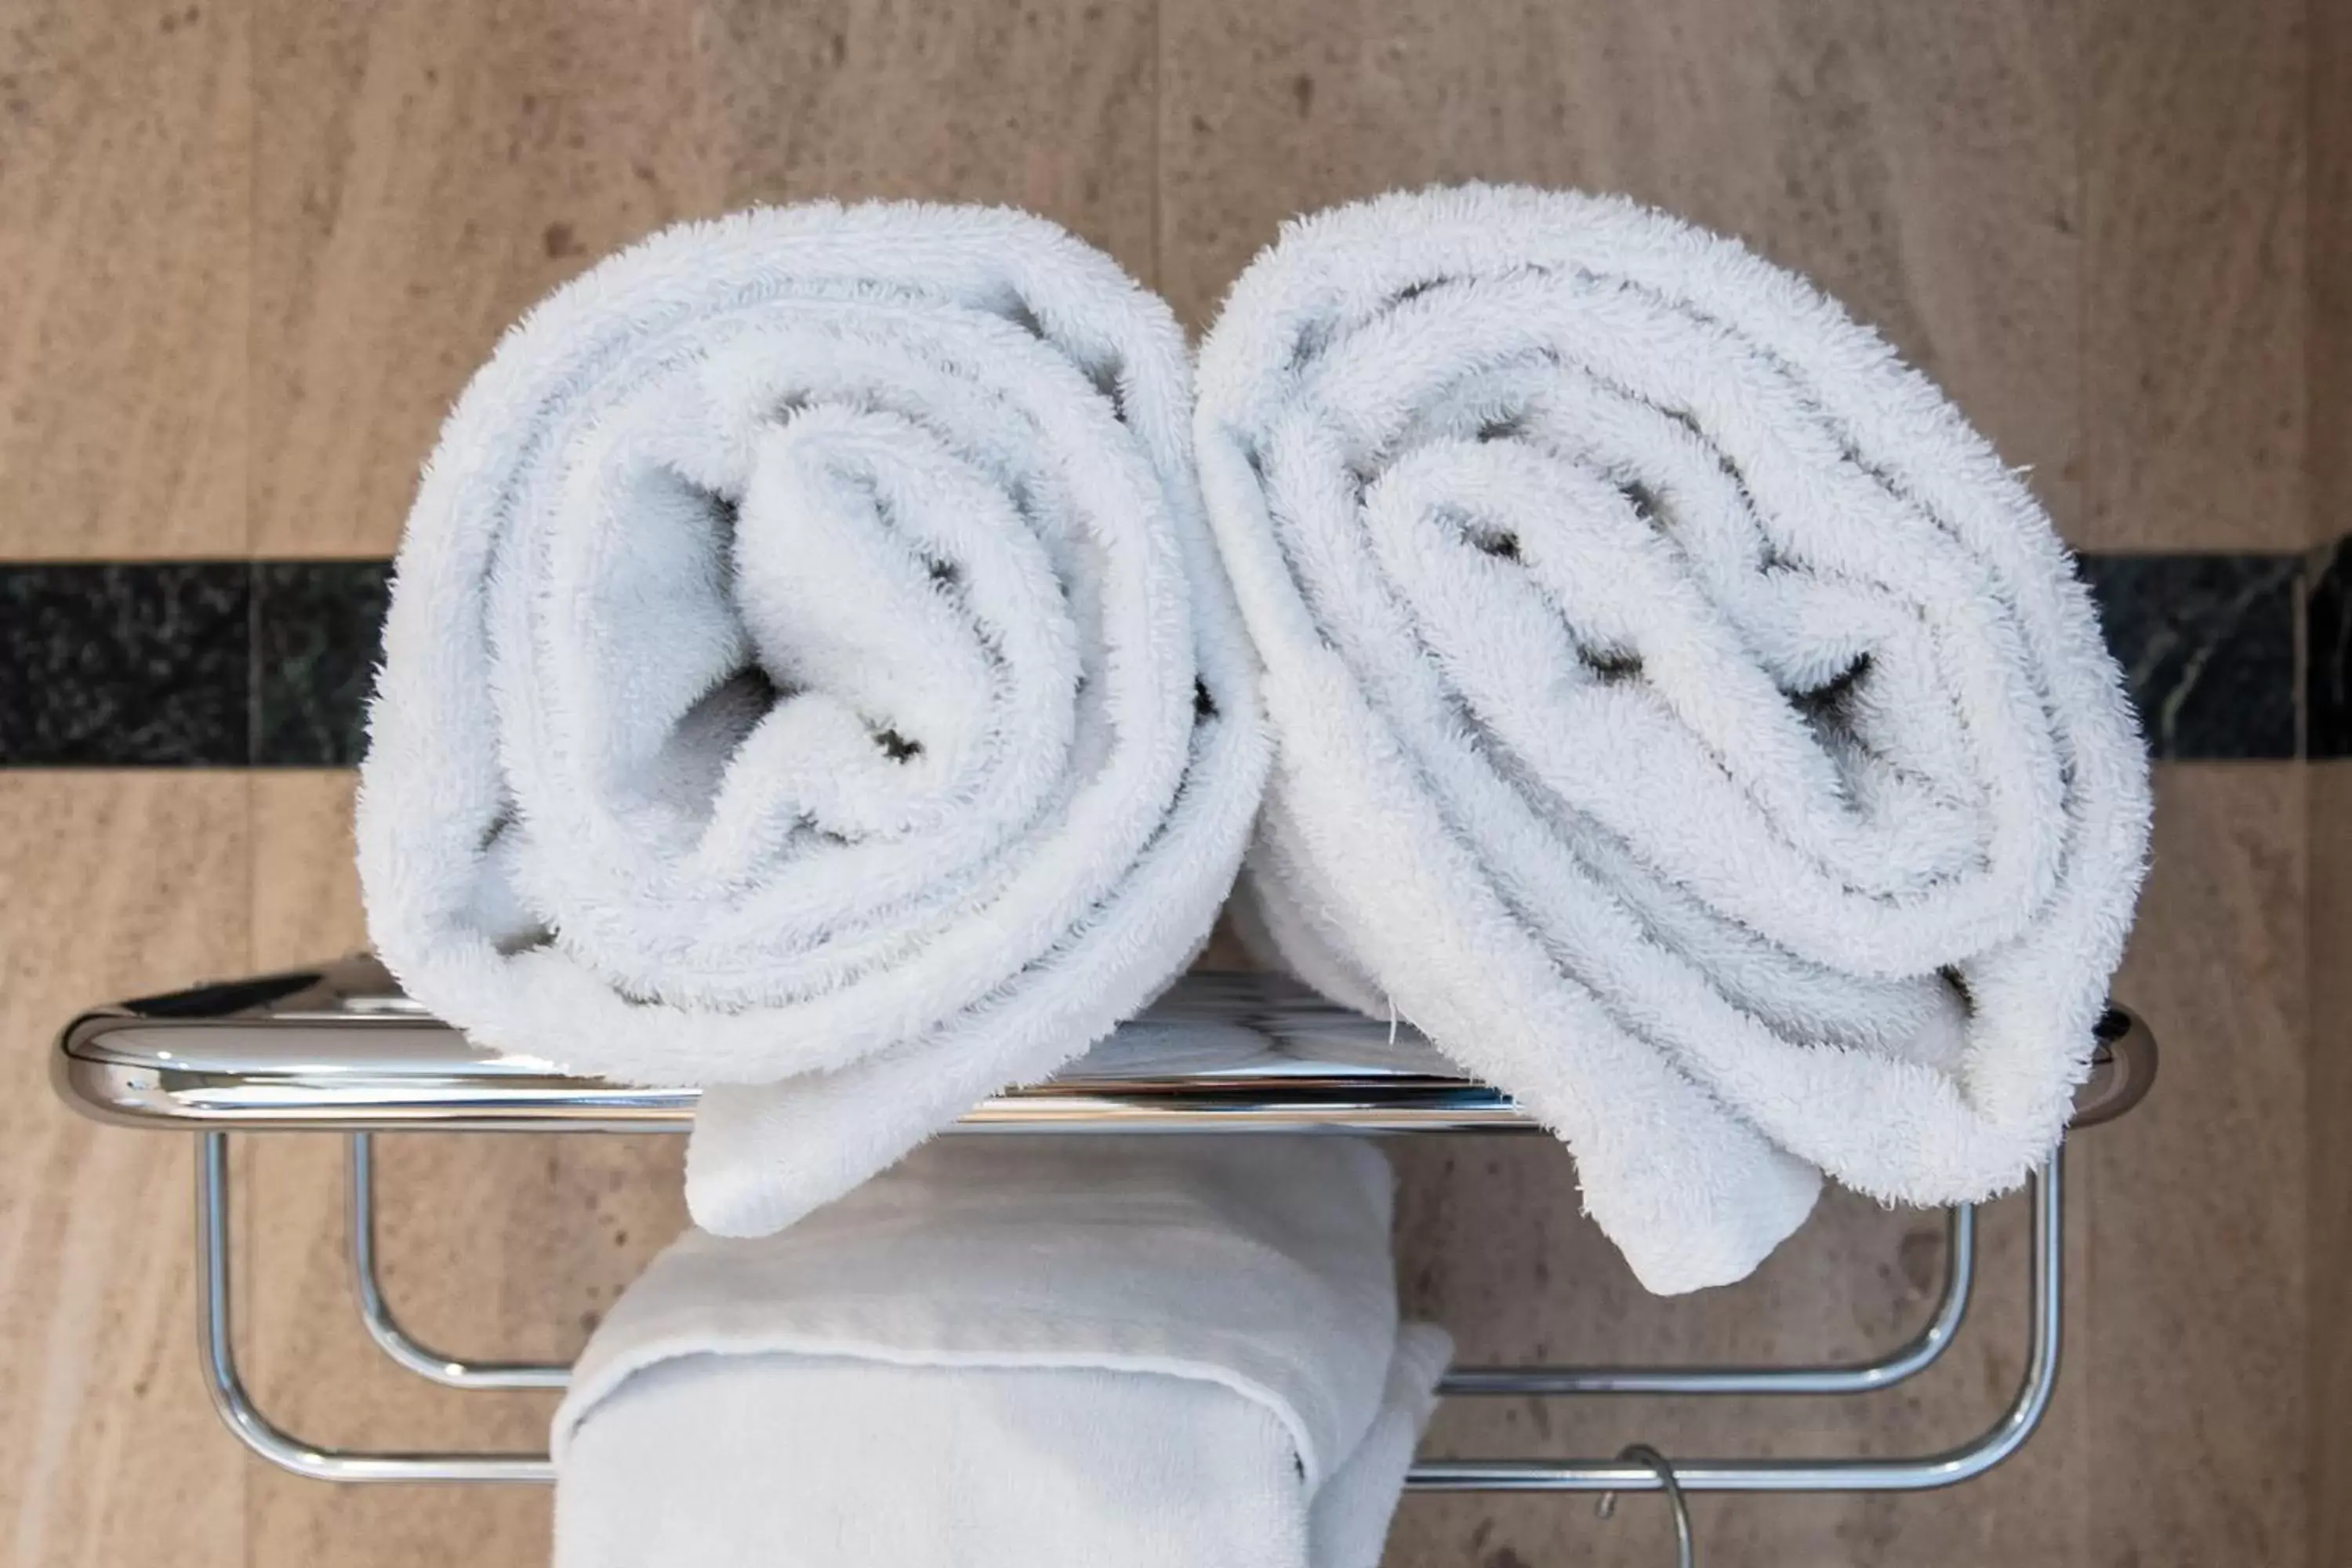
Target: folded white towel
pixel 807 662
pixel 1681 715
pixel 1048 1352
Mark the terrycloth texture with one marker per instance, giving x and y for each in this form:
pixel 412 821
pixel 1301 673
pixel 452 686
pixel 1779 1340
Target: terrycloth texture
pixel 1681 715
pixel 808 668
pixel 1043 1352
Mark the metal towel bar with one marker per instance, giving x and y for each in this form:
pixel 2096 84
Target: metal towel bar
pixel 339 1050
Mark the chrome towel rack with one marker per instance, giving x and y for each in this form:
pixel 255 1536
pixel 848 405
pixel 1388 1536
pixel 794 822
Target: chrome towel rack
pixel 339 1050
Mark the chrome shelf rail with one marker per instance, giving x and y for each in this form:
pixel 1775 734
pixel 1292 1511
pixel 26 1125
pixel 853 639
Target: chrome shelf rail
pixel 376 1313
pixel 215 1330
pixel 216 1339
pixel 1907 1359
pixel 1949 1468
pixel 339 1050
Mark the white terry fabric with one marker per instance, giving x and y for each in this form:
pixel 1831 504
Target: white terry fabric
pixel 808 668
pixel 1051 1352
pixel 1681 715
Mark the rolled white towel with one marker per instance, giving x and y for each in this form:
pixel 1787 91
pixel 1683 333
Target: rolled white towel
pixel 808 668
pixel 1680 713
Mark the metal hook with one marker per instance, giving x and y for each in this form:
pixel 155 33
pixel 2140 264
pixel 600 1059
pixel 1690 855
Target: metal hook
pixel 1642 1454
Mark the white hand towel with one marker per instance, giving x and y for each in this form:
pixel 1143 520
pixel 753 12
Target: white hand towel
pixel 1043 1352
pixel 808 668
pixel 1681 715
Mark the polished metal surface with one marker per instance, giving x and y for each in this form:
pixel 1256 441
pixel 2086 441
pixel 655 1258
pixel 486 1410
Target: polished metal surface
pixel 215 1330
pixel 1949 1468
pixel 1907 1359
pixel 1686 1551
pixel 2122 1068
pixel 376 1313
pixel 338 1049
pixel 1219 1053
pixel 216 1342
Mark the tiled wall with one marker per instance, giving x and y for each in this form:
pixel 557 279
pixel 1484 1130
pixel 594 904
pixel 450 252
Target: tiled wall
pixel 248 249
pixel 2328 356
pixel 267 663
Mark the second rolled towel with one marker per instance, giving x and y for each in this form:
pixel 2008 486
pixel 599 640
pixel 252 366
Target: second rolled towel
pixel 1681 714
pixel 808 676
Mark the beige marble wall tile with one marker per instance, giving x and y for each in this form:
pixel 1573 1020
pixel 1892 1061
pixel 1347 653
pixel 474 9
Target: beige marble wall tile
pixel 2328 360
pixel 424 171
pixel 2193 1349
pixel 123 258
pixel 2194 279
pixel 1046 105
pixel 2328 345
pixel 111 885
pixel 493 1248
pixel 2329 1114
pixel 1918 162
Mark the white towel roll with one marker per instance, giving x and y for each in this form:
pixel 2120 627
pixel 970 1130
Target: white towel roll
pixel 808 668
pixel 1680 713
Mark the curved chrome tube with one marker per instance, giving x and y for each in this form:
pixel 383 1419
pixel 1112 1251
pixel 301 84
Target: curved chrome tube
pixel 376 1313
pixel 261 1056
pixel 217 1338
pixel 257 1432
pixel 1926 1473
pixel 1907 1359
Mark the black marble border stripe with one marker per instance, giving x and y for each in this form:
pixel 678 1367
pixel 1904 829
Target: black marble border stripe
pixel 187 663
pixel 2327 653
pixel 2207 646
pixel 267 663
